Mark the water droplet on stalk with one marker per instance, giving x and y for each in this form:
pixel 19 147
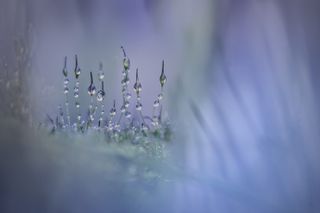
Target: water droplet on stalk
pixel 65 71
pixel 160 96
pixel 123 109
pixel 126 63
pixel 123 83
pixel 91 88
pixel 138 106
pixel 126 60
pixel 137 87
pixel 117 126
pixel 100 95
pixel 113 109
pixel 127 114
pixel 128 96
pixel 126 81
pixel 77 70
pixel 156 103
pixel 112 112
pixel 126 104
pixel 144 127
pixel 110 128
pixel 154 120
pixel 163 78
pixel 66 81
pixel 101 76
pixel 100 72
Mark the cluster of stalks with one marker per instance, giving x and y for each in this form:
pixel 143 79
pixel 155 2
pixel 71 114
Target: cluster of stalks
pixel 113 126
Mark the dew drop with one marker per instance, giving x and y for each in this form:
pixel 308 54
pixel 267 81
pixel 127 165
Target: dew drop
pixel 126 104
pixel 91 90
pixel 100 72
pixel 138 106
pixel 126 63
pixel 123 109
pixel 128 96
pixel 155 120
pixel 101 76
pixel 127 81
pixel 144 127
pixel 113 112
pixel 123 82
pixel 77 72
pixel 65 71
pixel 156 103
pixel 100 95
pixel 127 114
pixel 110 128
pixel 160 96
pixel 163 79
pixel 66 81
pixel 77 69
pixel 137 87
pixel 66 90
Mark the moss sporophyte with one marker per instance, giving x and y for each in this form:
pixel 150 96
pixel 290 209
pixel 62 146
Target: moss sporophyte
pixel 128 124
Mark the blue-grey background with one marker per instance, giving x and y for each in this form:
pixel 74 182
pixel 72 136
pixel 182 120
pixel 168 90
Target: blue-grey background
pixel 242 95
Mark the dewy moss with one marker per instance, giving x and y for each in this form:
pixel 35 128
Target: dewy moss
pixel 123 126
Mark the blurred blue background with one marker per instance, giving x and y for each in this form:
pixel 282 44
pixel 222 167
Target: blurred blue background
pixel 242 95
